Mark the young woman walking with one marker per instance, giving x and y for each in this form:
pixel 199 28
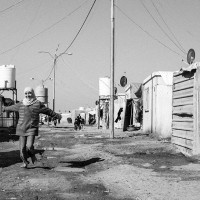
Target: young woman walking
pixel 28 124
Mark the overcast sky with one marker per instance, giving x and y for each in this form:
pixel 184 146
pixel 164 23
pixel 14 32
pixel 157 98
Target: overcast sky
pixel 151 35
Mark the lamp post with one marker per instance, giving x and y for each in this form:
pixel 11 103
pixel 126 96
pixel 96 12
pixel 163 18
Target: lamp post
pixel 55 57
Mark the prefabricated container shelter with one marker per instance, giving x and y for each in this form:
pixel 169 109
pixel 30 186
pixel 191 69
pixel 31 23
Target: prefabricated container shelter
pixel 66 119
pixel 130 105
pixel 119 107
pixel 186 110
pixel 104 99
pixel 157 104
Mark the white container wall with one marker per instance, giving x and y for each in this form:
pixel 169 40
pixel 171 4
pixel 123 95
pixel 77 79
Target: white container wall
pixel 66 118
pixel 7 76
pixel 104 86
pixel 157 104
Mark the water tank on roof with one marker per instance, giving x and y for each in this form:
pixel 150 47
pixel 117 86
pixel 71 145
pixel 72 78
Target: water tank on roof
pixel 41 93
pixel 7 76
pixel 104 86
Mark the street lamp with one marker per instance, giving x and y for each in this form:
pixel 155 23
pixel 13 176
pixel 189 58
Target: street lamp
pixel 42 81
pixel 55 57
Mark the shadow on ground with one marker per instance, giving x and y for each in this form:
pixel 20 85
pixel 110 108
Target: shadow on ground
pixel 9 158
pixel 8 135
pixel 80 164
pixel 12 157
pixel 157 158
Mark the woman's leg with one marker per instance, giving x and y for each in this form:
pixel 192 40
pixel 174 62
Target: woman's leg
pixel 23 152
pixel 30 147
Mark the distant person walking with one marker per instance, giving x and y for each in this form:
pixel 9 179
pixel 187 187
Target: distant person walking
pixel 28 124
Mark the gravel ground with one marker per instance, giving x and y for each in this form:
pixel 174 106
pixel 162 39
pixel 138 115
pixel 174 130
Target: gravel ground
pixel 88 165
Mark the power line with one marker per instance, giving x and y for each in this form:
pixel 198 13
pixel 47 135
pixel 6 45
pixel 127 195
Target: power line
pixel 161 27
pixel 29 26
pixel 49 73
pixel 80 28
pixel 80 78
pixel 1 11
pixel 55 57
pixel 64 52
pixel 32 69
pixel 168 27
pixel 147 32
pixel 46 29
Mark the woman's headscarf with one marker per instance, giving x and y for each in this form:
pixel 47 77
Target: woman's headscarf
pixel 32 100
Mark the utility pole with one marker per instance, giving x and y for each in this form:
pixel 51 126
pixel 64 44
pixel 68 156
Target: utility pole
pixel 54 77
pixel 112 68
pixel 55 58
pixel 54 82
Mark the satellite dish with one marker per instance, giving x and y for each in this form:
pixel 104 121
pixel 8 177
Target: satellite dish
pixel 190 56
pixel 123 81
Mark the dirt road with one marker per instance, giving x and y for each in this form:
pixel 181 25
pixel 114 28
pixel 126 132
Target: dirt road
pixel 89 165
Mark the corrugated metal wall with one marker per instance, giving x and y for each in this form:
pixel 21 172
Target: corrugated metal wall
pixel 183 114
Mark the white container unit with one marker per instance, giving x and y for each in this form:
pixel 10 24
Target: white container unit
pixel 157 104
pixel 7 76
